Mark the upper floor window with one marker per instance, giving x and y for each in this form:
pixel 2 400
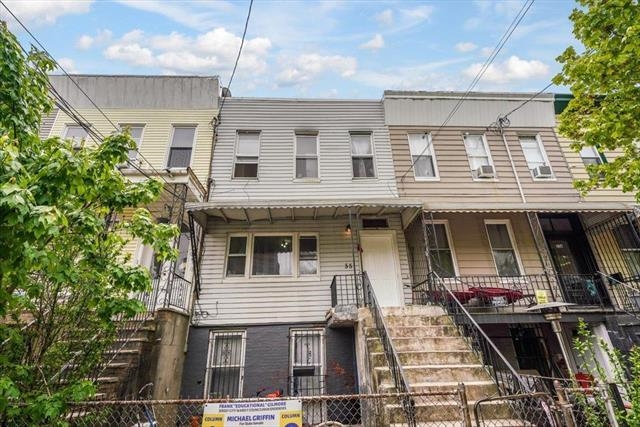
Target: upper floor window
pixel 76 134
pixel 181 146
pixel 479 156
pixel 440 249
pixel 504 252
pixel 272 256
pixel 422 156
pixel 136 134
pixel 362 155
pixel 306 155
pixel 590 156
pixel 247 154
pixel 535 156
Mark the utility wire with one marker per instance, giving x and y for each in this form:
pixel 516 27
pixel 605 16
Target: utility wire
pixel 235 66
pixel 534 96
pixel 496 50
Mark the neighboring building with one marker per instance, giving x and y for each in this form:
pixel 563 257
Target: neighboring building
pixel 171 119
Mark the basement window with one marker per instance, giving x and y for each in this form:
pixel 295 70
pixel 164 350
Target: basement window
pixel 375 223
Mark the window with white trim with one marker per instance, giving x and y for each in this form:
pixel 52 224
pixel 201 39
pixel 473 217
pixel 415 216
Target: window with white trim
pixel 503 249
pixel 440 249
pixel 306 155
pixel 306 362
pixel 225 364
pixel 135 131
pixel 422 156
pixel 247 154
pixel 477 151
pixel 76 134
pixel 181 146
pixel 255 255
pixel 534 152
pixel 590 156
pixel 362 155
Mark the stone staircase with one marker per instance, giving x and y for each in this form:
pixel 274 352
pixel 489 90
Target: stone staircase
pixel 435 358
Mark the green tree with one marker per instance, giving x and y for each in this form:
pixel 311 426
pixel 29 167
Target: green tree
pixel 63 275
pixel 604 79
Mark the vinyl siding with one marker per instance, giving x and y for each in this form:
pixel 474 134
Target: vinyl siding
pixel 274 300
pixel 47 123
pixel 157 133
pixel 455 173
pixel 579 172
pixel 278 120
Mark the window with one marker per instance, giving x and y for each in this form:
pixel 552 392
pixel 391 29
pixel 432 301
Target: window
pixel 306 155
pixel 590 156
pixel 534 152
pixel 362 155
pixel 225 365
pixel 136 134
pixel 76 134
pixel 629 246
pixel 440 251
pixel 237 256
pixel 247 154
pixel 181 146
pixel 306 368
pixel 504 252
pixel 255 255
pixel 477 152
pixel 422 155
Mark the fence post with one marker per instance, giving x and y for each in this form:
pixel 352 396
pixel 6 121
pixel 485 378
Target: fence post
pixel 617 398
pixel 565 405
pixel 608 404
pixel 464 405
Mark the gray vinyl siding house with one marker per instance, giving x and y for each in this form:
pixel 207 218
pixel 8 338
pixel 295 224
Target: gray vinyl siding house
pixel 292 183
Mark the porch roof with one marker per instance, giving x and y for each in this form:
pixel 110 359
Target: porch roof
pixel 475 207
pixel 277 210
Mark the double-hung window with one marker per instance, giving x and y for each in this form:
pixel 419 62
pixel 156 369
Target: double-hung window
pixel 440 250
pixel 272 255
pixel 247 154
pixel 629 246
pixel 306 367
pixel 362 155
pixel 225 364
pixel 477 152
pixel 422 156
pixel 504 252
pixel 76 134
pixel 306 155
pixel 135 131
pixel 534 152
pixel 181 146
pixel 590 156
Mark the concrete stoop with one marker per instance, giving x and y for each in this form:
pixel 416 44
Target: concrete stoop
pixel 435 358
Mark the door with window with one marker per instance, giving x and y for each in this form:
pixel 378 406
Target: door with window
pixel 381 262
pixel 225 367
pixel 307 370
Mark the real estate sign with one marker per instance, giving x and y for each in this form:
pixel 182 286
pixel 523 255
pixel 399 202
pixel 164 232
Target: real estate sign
pixel 265 413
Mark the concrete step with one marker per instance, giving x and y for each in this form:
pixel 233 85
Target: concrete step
pixel 396 321
pixel 429 357
pixel 475 390
pixel 436 373
pixel 417 331
pixel 448 410
pixel 412 344
pixel 414 310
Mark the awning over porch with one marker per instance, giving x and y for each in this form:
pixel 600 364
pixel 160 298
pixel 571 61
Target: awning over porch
pixel 291 210
pixel 476 207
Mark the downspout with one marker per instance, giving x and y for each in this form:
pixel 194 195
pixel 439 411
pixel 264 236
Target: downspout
pixel 513 166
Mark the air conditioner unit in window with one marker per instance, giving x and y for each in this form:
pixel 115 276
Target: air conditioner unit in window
pixel 542 172
pixel 485 171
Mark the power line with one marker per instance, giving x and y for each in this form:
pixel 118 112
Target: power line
pixel 496 50
pixel 528 100
pixel 235 66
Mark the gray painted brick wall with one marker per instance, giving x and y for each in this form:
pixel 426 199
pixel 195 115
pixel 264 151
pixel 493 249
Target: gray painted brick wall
pixel 267 359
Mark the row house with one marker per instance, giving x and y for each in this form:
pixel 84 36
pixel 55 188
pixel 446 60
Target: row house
pixel 171 120
pixel 310 201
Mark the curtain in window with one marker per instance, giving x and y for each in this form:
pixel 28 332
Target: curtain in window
pixel 272 255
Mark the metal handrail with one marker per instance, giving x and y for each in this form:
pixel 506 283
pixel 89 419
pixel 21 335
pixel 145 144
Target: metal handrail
pixel 624 305
pixel 395 367
pixel 523 387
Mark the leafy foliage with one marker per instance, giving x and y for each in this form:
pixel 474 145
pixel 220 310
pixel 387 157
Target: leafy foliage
pixel 63 275
pixel 605 82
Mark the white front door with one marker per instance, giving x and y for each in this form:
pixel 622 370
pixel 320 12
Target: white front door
pixel 382 264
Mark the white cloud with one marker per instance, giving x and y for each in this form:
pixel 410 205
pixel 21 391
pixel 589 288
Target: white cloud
pixel 420 13
pixel 201 15
pixel 68 64
pixel 510 70
pixel 377 42
pixel 212 52
pixel 385 17
pixel 486 51
pixel 86 41
pixel 465 47
pixel 308 66
pixel 46 11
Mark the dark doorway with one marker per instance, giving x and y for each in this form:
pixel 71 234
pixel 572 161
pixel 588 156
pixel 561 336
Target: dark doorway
pixel 531 350
pixel 573 260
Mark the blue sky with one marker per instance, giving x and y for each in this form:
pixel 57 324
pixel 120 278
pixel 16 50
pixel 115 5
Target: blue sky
pixel 344 49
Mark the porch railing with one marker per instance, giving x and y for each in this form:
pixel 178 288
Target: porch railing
pixel 346 289
pixel 625 293
pixel 584 289
pixel 397 373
